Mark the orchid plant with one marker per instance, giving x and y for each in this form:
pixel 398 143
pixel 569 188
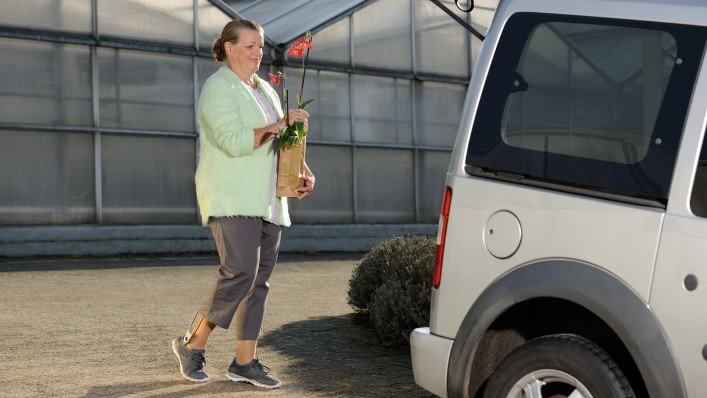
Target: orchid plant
pixel 293 135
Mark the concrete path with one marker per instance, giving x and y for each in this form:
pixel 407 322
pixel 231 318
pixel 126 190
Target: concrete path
pixel 102 328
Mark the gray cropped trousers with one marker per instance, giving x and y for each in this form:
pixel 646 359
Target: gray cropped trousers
pixel 248 249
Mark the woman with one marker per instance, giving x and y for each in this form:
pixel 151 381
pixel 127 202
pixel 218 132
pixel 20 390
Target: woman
pixel 239 115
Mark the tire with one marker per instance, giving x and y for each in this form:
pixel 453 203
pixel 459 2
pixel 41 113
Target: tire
pixel 556 366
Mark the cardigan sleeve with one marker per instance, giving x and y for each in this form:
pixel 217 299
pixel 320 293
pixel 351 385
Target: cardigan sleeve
pixel 219 109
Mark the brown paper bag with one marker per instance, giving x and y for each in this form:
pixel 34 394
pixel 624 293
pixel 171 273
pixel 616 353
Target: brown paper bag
pixel 290 170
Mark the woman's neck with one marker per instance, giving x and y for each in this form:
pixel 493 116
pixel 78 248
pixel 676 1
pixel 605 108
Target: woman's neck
pixel 247 78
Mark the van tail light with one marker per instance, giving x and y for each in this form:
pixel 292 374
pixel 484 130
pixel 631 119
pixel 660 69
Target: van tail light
pixel 441 237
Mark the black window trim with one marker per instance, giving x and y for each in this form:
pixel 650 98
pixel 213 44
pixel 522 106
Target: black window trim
pixel 561 187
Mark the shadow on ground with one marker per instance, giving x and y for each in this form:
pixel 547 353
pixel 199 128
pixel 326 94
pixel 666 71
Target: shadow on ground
pixel 153 389
pixel 340 355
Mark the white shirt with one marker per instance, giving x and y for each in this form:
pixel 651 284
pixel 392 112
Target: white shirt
pixel 276 204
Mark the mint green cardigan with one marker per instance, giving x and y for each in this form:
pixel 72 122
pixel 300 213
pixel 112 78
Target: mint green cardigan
pixel 233 179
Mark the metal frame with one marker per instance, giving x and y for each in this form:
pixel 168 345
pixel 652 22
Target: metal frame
pixel 96 41
pixel 97 157
pixel 354 163
pixel 413 103
pixel 195 79
pixel 459 20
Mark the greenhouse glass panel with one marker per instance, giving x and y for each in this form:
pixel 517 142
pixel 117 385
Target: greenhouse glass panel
pixel 285 20
pixel 205 67
pixel 482 15
pixel 333 110
pixel 293 82
pixel 261 10
pixel 148 180
pixel 211 23
pixel 45 83
pixel 442 44
pixel 381 110
pixel 382 35
pixel 263 71
pixel 403 100
pixel 332 201
pixel 481 19
pixel 332 43
pixel 63 15
pixel 385 185
pixel 439 107
pixel 46 178
pixel 432 169
pixel 140 90
pixel 330 113
pixel 169 21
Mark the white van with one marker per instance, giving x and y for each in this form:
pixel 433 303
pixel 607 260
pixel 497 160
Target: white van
pixel 573 234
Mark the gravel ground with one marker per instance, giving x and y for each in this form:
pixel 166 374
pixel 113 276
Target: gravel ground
pixel 102 328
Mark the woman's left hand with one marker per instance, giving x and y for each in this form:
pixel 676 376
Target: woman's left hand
pixel 307 187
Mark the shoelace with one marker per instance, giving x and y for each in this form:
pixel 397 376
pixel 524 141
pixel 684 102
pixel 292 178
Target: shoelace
pixel 263 368
pixel 199 357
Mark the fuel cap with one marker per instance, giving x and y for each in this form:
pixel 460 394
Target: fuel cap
pixel 502 234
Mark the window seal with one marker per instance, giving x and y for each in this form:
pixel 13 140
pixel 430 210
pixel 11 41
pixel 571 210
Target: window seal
pixel 563 187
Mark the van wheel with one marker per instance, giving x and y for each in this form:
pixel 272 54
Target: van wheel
pixel 557 366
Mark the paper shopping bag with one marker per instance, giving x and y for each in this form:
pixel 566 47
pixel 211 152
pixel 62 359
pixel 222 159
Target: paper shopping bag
pixel 290 170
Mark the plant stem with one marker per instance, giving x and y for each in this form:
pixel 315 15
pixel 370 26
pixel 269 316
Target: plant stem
pixel 287 109
pixel 304 70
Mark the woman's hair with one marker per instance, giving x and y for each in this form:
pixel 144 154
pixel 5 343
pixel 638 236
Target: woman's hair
pixel 230 33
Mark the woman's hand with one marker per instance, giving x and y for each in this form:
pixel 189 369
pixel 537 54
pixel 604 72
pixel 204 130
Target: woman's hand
pixel 265 134
pixel 308 185
pixel 296 115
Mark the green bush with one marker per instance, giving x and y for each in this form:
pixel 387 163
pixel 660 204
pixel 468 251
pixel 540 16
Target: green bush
pixel 393 284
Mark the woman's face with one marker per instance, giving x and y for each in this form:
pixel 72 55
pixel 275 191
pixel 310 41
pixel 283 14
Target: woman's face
pixel 248 52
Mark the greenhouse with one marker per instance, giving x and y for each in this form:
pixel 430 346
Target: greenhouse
pixel 98 128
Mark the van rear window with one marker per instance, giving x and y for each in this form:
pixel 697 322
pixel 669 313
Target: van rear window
pixel 591 103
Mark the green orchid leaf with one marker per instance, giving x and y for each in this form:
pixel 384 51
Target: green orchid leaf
pixel 303 104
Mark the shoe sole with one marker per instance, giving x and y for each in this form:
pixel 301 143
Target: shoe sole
pixel 181 369
pixel 241 379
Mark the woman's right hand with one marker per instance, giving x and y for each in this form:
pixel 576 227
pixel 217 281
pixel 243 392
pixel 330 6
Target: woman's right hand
pixel 296 115
pixel 264 134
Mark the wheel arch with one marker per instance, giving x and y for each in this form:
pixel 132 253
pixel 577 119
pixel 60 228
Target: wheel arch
pixel 578 284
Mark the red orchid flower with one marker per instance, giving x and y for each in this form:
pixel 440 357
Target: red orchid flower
pixel 275 79
pixel 294 134
pixel 297 48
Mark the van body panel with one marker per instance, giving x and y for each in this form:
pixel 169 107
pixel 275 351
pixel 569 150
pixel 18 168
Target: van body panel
pixel 554 225
pixel 692 142
pixel 683 253
pixel 594 289
pixel 430 356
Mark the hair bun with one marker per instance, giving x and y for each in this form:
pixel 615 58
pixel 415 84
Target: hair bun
pixel 217 50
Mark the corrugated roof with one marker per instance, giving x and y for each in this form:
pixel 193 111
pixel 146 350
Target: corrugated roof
pixel 285 21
